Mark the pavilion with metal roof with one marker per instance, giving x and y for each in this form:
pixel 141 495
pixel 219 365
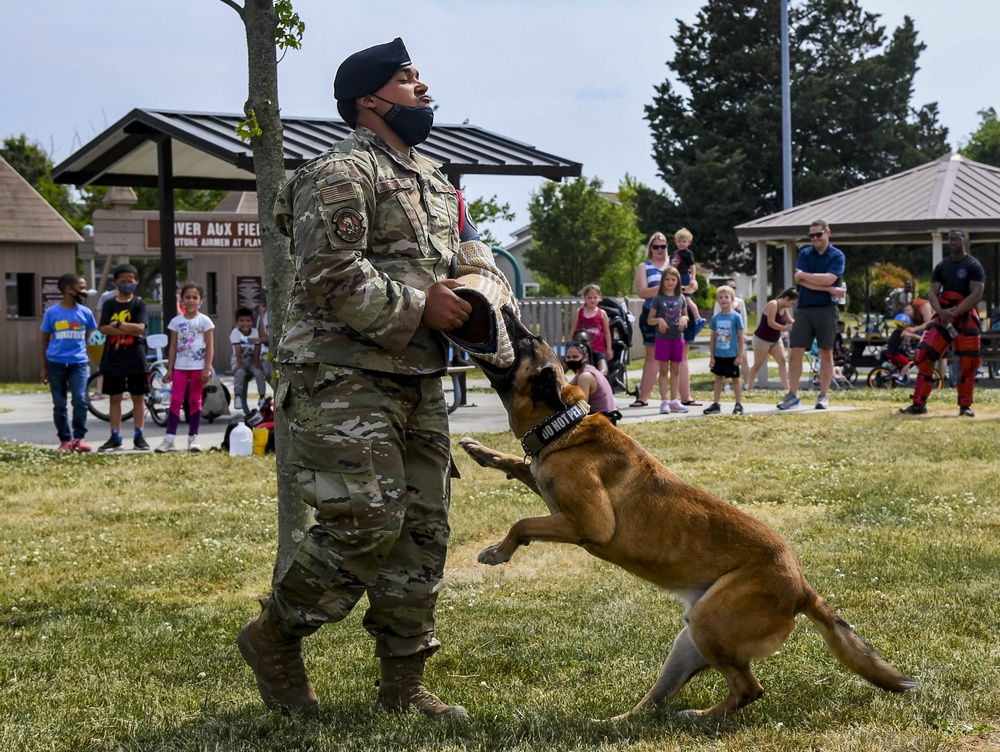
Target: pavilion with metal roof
pixel 914 207
pixel 168 150
pixel 207 153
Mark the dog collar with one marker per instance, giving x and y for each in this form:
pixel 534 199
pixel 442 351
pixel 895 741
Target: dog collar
pixel 552 428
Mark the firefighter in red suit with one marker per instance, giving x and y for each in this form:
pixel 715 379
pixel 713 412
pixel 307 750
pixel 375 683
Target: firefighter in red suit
pixel 956 288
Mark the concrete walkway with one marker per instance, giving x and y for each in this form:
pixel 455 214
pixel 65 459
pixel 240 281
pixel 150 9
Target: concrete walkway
pixel 27 418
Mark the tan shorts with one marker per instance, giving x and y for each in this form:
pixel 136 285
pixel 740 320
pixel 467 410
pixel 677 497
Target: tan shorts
pixel 763 344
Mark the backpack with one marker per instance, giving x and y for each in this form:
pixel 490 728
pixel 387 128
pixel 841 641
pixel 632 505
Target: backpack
pixel 214 399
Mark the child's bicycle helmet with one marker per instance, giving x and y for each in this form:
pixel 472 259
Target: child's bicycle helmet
pixel 902 320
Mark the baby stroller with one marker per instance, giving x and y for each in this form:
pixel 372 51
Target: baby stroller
pixel 844 373
pixel 843 364
pixel 620 323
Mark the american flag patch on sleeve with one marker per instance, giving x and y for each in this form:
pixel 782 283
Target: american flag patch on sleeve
pixel 333 194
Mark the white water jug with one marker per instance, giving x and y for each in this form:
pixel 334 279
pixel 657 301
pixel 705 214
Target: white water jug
pixel 241 440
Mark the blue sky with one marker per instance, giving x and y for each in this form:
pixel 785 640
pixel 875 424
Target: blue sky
pixel 570 78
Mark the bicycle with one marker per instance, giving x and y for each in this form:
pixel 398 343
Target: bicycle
pixel 157 400
pixel 887 376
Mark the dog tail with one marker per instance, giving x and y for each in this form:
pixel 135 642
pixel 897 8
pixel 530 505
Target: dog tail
pixel 852 650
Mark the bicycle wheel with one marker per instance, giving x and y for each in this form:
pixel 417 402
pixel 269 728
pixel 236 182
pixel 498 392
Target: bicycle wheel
pixel 937 380
pixel 850 373
pixel 880 378
pixel 158 399
pixel 99 405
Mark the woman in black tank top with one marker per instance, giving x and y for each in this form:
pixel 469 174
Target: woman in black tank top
pixel 777 318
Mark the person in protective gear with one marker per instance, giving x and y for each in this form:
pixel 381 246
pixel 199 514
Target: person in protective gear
pixel 957 285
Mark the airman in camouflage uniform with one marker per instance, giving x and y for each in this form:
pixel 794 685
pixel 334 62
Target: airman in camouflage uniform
pixel 373 227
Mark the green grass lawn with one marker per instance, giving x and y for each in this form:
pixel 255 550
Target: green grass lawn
pixel 125 580
pixel 34 387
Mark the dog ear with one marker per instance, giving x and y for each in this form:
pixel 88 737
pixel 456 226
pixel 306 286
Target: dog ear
pixel 545 388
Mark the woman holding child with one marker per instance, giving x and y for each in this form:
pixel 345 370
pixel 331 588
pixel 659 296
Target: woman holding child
pixel 647 284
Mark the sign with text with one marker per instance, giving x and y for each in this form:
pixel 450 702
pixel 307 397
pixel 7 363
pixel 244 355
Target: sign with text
pixel 248 292
pixel 50 292
pixel 206 234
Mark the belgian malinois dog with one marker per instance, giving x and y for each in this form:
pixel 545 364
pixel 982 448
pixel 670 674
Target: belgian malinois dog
pixel 739 579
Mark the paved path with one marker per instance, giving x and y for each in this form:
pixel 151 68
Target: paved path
pixel 27 418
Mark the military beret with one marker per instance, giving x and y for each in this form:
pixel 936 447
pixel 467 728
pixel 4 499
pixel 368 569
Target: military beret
pixel 369 70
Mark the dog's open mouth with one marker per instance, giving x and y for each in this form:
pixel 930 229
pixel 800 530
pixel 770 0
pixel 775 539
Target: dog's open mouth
pixel 517 332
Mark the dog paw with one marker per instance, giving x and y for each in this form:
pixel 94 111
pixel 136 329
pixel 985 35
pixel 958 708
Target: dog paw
pixel 493 556
pixel 484 456
pixel 690 714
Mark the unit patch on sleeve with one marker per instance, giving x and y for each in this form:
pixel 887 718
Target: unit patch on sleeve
pixel 349 224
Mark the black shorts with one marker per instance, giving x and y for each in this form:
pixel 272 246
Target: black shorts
pixel 726 368
pixel 133 383
pixel 648 330
pixel 817 322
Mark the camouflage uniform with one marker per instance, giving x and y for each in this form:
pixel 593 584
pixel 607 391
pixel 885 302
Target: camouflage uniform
pixel 360 386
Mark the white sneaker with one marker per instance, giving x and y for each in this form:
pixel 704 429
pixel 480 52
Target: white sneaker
pixel 166 446
pixel 665 407
pixel 822 402
pixel 677 407
pixel 237 403
pixel 193 445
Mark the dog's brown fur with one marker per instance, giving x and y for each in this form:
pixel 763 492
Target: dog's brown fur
pixel 740 580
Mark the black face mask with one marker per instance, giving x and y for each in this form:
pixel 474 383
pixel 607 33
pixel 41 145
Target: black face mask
pixel 81 298
pixel 412 124
pixel 574 365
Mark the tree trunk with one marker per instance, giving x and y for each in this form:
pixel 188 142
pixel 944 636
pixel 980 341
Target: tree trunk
pixel 260 20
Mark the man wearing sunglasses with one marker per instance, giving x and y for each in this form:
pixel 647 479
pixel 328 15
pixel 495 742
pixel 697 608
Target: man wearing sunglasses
pixel 818 274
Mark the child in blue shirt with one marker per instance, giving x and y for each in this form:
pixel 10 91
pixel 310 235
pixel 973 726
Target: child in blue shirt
pixel 65 364
pixel 727 347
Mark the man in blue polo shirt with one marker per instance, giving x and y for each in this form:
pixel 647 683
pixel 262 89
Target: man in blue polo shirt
pixel 818 274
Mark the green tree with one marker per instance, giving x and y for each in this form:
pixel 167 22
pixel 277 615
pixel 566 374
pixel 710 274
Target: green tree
pixel 33 163
pixel 30 159
pixel 272 25
pixel 984 145
pixel 483 211
pixel 717 128
pixel 655 211
pixel 581 236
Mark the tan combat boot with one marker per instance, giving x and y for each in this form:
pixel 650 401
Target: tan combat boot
pixel 276 660
pixel 402 687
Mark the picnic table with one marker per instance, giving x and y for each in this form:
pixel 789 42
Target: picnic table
pixel 865 348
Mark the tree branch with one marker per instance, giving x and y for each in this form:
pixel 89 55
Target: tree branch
pixel 235 6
